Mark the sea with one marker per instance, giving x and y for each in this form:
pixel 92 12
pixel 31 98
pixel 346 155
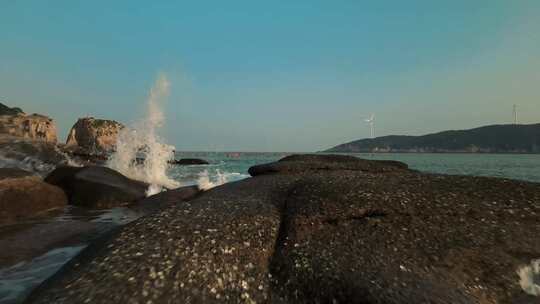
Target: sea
pixel 17 281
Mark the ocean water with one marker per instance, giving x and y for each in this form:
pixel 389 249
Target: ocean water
pixel 17 281
pixel 514 166
pixel 233 166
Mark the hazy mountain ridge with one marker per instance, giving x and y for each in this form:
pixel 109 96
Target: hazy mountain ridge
pixel 487 139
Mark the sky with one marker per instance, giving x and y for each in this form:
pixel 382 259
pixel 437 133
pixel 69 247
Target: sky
pixel 275 75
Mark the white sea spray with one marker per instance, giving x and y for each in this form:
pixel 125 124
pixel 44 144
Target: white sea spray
pixel 207 181
pixel 529 278
pixel 140 153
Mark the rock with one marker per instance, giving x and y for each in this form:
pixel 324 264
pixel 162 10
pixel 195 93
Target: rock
pixel 302 163
pixel 189 161
pixel 5 110
pixel 93 135
pixel 23 242
pixel 165 199
pixel 14 122
pixel 14 173
pixel 333 235
pixel 27 196
pixel 216 248
pixel 32 155
pixel 97 187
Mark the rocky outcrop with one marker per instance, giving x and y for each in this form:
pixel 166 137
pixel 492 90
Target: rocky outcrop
pixel 5 110
pixel 323 235
pixel 32 155
pixel 27 196
pixel 93 135
pixel 189 162
pixel 14 122
pixel 303 163
pixel 97 187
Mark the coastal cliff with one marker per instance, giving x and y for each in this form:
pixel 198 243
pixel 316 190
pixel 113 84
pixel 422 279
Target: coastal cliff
pixel 488 139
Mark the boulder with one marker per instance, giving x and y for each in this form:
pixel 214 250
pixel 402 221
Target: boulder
pixel 302 163
pixel 189 161
pixel 90 136
pixel 32 155
pixel 27 196
pixel 97 187
pixel 321 236
pixel 14 122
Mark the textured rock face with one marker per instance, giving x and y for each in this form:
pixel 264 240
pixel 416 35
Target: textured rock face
pixel 94 135
pixel 320 233
pixel 97 187
pixel 14 122
pixel 27 196
pixel 304 163
pixel 32 155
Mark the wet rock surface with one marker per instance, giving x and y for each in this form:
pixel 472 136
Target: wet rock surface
pixel 375 234
pixel 14 173
pixel 27 196
pixel 22 242
pixel 32 155
pixel 189 161
pixel 97 187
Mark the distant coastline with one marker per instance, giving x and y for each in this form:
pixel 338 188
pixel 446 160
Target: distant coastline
pixel 494 139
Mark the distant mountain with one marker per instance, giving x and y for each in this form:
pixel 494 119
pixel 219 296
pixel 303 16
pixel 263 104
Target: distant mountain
pixel 488 139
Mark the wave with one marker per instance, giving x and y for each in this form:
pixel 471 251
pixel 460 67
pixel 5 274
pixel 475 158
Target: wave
pixel 207 181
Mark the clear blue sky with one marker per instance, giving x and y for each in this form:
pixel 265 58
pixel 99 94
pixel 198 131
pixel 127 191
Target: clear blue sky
pixel 275 75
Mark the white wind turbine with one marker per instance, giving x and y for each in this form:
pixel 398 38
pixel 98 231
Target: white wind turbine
pixel 371 122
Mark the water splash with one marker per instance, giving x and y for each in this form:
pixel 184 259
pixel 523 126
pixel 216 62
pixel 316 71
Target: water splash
pixel 141 142
pixel 206 181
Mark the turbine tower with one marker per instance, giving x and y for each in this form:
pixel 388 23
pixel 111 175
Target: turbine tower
pixel 371 122
pixel 514 114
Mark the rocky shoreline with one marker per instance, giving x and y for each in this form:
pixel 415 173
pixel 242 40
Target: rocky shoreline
pixel 320 229
pixel 305 229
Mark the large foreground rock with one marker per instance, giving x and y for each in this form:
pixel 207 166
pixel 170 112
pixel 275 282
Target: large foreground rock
pixel 97 187
pixel 26 196
pixel 91 136
pixel 321 234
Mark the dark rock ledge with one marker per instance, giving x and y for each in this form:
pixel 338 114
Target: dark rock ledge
pixel 320 233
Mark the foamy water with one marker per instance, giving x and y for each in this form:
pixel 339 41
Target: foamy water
pixel 529 278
